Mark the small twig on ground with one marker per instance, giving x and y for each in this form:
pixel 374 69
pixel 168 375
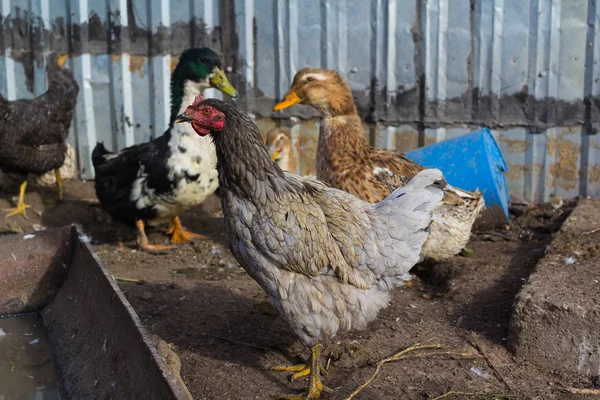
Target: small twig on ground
pixel 404 354
pixel 328 361
pixel 589 392
pixel 14 227
pixel 478 347
pixel 453 393
pixel 13 366
pixel 90 200
pixel 590 232
pixel 129 280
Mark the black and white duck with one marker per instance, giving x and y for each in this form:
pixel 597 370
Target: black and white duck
pixel 156 181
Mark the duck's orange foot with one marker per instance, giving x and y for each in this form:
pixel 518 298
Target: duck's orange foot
pixel 180 235
pixel 142 240
pixel 153 248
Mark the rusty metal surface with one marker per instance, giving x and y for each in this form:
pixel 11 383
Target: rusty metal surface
pixel 100 347
pixel 32 268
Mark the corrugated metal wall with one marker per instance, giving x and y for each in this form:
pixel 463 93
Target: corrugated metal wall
pixel 421 71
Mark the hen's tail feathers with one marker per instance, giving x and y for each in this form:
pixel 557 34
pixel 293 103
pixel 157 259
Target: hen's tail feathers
pixel 98 154
pixel 411 207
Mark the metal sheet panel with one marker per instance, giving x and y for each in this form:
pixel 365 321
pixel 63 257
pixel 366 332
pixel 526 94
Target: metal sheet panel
pixel 421 71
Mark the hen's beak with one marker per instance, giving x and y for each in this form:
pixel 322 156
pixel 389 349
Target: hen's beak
pixel 219 81
pixel 275 155
pixel 290 99
pixel 183 117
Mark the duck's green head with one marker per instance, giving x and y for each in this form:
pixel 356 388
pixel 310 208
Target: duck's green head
pixel 200 65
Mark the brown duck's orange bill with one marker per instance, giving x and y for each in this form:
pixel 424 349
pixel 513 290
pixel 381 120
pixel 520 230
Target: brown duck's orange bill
pixel 290 99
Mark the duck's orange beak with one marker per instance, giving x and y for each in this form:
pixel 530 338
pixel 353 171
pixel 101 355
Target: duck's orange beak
pixel 290 99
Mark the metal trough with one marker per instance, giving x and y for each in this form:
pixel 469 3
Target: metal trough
pixel 99 346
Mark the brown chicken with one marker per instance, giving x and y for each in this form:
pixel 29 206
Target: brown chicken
pixel 347 162
pixel 326 259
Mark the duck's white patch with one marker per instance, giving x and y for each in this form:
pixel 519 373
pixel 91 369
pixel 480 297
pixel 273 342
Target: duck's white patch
pixel 317 76
pixel 29 236
pixel 111 156
pixel 139 189
pixel 191 156
pixel 379 170
pixel 192 89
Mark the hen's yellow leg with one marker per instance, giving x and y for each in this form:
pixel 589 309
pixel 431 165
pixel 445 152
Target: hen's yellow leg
pixel 21 206
pixel 315 386
pixel 299 370
pixel 142 239
pixel 180 235
pixel 59 184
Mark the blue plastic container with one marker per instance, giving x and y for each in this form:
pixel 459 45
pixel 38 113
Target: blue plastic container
pixel 471 161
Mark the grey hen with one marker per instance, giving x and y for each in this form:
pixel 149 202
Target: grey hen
pixel 326 259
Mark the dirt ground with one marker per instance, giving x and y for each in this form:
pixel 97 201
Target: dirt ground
pixel 198 298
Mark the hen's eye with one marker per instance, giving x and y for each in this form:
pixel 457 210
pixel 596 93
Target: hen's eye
pixel 310 79
pixel 206 111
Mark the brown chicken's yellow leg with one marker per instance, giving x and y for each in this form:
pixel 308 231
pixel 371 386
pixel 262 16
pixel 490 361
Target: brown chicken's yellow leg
pixel 21 206
pixel 142 240
pixel 315 386
pixel 180 235
pixel 59 184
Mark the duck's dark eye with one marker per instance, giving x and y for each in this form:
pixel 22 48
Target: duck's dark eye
pixel 310 79
pixel 206 111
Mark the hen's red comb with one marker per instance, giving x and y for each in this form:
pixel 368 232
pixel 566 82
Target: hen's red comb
pixel 199 99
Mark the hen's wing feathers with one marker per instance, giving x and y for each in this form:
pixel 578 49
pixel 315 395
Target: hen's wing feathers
pixel 388 239
pixel 321 230
pixel 292 232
